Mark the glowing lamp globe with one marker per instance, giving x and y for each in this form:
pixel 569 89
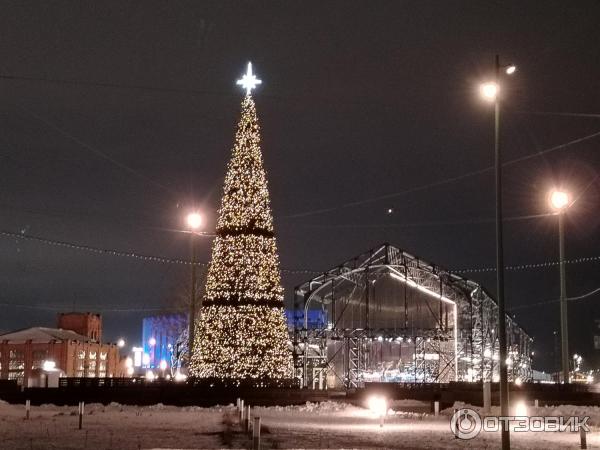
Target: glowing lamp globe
pixel 378 405
pixel 194 220
pixel 559 200
pixel 489 91
pixel 49 366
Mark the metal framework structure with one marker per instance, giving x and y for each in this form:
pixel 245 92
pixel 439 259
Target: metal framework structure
pixel 391 316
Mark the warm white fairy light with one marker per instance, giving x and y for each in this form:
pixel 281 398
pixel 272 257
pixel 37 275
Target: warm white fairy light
pixel 242 332
pixel 249 80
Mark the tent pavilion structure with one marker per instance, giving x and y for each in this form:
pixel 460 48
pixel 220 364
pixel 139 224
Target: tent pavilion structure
pixel 390 316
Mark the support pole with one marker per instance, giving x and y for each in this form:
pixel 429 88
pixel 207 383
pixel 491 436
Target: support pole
pixel 192 312
pixel 436 408
pixel 256 434
pixel 505 435
pixel 564 325
pixel 242 411
pixel 247 419
pixel 487 397
pixel 27 408
pixel 81 410
pixel 582 437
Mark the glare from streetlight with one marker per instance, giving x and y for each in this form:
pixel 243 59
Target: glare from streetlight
pixel 489 91
pixel 559 200
pixel 511 69
pixel 377 405
pixel 121 343
pixel 194 220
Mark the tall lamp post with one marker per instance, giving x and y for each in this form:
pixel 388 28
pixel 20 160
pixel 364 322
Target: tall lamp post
pixel 490 91
pixel 194 221
pixel 560 202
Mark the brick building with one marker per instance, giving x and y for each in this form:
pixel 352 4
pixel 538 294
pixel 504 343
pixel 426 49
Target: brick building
pixel 75 347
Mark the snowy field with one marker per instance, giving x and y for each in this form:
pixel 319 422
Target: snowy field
pixel 325 425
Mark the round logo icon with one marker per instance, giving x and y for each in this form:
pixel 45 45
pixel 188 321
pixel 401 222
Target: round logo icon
pixel 465 423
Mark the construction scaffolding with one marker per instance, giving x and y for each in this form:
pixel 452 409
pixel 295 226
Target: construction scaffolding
pixel 389 316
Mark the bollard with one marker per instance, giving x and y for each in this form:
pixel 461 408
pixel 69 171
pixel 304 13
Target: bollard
pixel 487 397
pixel 237 405
pixel 457 424
pixel 256 434
pixel 27 409
pixel 436 408
pixel 81 409
pixel 536 403
pixel 381 420
pixel 247 419
pixel 582 437
pixel 241 411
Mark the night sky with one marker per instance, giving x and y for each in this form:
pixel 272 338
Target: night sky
pixel 117 117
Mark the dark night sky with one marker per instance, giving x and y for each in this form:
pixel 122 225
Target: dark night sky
pixel 117 116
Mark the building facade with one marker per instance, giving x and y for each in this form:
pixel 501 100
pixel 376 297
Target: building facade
pixel 76 351
pixel 164 338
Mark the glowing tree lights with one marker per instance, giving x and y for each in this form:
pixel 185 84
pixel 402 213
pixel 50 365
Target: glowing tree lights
pixel 242 332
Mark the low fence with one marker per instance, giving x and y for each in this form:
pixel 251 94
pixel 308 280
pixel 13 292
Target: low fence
pixel 472 393
pixel 138 391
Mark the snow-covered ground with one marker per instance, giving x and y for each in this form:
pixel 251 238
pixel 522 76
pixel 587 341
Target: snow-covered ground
pixel 325 425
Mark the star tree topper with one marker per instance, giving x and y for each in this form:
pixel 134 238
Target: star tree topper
pixel 249 80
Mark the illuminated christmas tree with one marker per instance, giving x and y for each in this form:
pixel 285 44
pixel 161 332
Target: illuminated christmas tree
pixel 242 331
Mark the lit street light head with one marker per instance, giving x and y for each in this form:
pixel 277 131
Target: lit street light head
pixel 194 220
pixel 559 200
pixel 489 91
pixel 511 69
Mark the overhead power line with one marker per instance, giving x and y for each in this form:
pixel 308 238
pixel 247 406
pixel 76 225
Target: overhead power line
pixel 103 308
pixel 530 266
pixel 99 153
pixel 547 302
pixel 125 254
pixel 442 182
pixel 99 307
pixel 164 260
pixel 564 114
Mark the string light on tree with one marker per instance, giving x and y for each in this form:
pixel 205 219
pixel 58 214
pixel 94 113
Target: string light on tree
pixel 242 332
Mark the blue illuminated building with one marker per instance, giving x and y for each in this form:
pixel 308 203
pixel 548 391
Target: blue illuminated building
pixel 160 335
pixel 317 319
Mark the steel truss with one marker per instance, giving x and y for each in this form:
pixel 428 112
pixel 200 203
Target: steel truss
pixel 448 322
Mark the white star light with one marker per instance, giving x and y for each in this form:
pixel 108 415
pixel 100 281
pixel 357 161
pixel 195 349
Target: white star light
pixel 249 80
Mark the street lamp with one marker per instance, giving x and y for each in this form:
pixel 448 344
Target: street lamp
pixel 194 221
pixel 491 92
pixel 560 201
